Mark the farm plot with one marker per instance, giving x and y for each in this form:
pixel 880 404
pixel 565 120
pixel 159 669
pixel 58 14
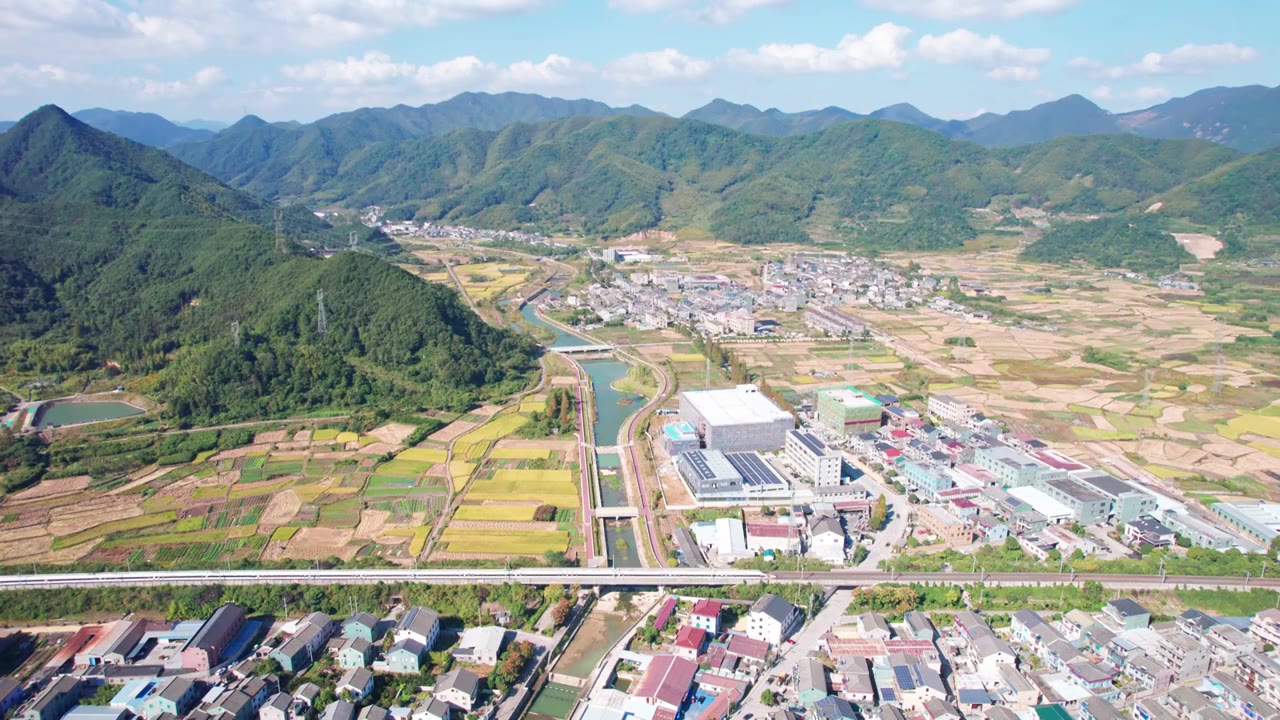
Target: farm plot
pixel 554 487
pixel 509 453
pixel 461 540
pixel 500 513
pixel 114 526
pixel 428 455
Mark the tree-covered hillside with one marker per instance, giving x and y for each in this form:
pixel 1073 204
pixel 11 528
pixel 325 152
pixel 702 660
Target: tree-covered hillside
pixel 1136 243
pixel 114 252
pixel 1246 191
pixel 873 182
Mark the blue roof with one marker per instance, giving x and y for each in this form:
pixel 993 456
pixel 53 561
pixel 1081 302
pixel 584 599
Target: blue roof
pixel 680 431
pixel 811 441
pixel 973 696
pixel 902 674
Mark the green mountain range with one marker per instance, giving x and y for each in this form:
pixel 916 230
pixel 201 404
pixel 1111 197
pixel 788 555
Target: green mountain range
pixel 869 181
pixel 116 252
pixel 290 160
pixel 146 128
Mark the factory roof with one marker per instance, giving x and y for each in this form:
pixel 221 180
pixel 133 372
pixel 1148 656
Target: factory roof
pixel 1104 483
pixel 1075 490
pixel 709 464
pixel 680 430
pixel 1041 502
pixel 810 441
pixel 754 470
pixel 742 404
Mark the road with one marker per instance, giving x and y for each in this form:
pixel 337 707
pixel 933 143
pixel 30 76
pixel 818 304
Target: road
pixel 895 532
pixel 805 640
pixel 612 577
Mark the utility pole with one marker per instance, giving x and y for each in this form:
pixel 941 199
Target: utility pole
pixel 322 320
pixel 280 231
pixel 1221 366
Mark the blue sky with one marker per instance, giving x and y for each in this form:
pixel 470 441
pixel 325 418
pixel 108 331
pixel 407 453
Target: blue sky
pixel 302 59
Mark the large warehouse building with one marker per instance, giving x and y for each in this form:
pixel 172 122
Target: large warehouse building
pixel 848 410
pixel 738 419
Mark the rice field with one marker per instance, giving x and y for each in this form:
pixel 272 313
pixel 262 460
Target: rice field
pixel 686 357
pixel 530 406
pixel 507 542
pixel 1267 426
pixel 496 429
pixel 553 487
pixel 325 435
pixel 403 468
pixel 495 513
pixel 430 455
pixel 520 454
pixel 284 534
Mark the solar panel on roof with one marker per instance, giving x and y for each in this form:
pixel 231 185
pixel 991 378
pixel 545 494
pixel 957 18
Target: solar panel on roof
pixel 888 695
pixel 902 674
pixel 973 697
pixel 816 446
pixel 754 471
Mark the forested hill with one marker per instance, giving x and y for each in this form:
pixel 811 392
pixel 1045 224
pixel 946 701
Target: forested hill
pixel 112 251
pixel 870 181
pixel 289 160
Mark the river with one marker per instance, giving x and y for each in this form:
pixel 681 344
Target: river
pixel 613 407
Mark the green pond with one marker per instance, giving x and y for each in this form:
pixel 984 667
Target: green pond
pixel 57 414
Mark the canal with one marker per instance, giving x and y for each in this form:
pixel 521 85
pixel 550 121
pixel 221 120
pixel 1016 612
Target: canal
pixel 613 407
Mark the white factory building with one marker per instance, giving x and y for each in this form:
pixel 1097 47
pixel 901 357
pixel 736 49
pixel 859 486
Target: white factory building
pixel 817 463
pixel 738 419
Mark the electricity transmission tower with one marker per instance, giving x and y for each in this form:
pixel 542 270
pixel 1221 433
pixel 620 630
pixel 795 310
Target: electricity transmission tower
pixel 280 231
pixel 352 238
pixel 1146 387
pixel 235 332
pixel 322 320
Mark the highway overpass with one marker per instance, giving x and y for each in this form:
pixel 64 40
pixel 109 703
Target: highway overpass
pixel 608 577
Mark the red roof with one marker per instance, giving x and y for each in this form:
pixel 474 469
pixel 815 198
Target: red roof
pixel 707 607
pixel 77 642
pixel 721 706
pixel 690 637
pixel 667 680
pixel 664 613
pixel 899 433
pixel 893 453
pixel 852 504
pixel 910 647
pixel 963 503
pixel 743 646
pixel 770 530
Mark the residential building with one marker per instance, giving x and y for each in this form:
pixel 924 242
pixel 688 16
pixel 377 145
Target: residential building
pixel 355 684
pixel 827 540
pixel 11 694
pixel 1227 644
pixel 175 696
pixel 817 463
pixel 405 657
pixel 1187 658
pixel 832 707
pixel 362 625
pixel 55 699
pixel 848 410
pixel 480 645
pixel 339 710
pixel 1145 529
pixel 205 649
pixel 738 419
pixel 666 682
pixel 1265 626
pixel 920 626
pixel 833 322
pixel 277 707
pixel 811 681
pixel 689 643
pixel 706 615
pixel 947 527
pixel 928 480
pixel 459 687
pixel 1195 623
pixel 781 537
pixel 1127 614
pixel 306 644
pixel 772 619
pixel 949 409
pixel 419 624
pixel 433 709
pixel 355 653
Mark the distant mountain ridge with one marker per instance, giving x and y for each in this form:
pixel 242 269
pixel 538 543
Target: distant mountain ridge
pixel 1244 118
pixel 140 127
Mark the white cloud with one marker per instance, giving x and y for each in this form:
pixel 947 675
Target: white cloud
pixel 18 77
pixel 149 28
pixel 964 47
pixel 656 66
pixel 712 12
pixel 1102 92
pixel 1189 59
pixel 201 81
pixel 1144 95
pixel 883 47
pixel 375 69
pixel 554 71
pixel 1151 93
pixel 971 9
pixel 1014 73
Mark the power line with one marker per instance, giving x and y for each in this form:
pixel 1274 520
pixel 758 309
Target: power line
pixel 1221 366
pixel 280 231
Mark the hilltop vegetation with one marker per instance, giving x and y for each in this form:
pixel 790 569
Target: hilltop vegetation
pixel 873 183
pixel 115 252
pixel 1138 243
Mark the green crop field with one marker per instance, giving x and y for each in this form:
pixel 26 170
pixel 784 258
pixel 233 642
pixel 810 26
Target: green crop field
pixel 114 526
pixel 344 513
pixel 430 455
pixel 324 435
pixel 403 468
pixel 520 454
pixel 189 524
pixel 284 534
pixel 506 542
pixel 243 492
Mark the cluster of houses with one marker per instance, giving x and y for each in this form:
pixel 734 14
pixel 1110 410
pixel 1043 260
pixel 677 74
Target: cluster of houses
pixel 979 483
pixel 716 305
pixel 704 671
pixel 373 217
pixel 209 681
pixel 1103 665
